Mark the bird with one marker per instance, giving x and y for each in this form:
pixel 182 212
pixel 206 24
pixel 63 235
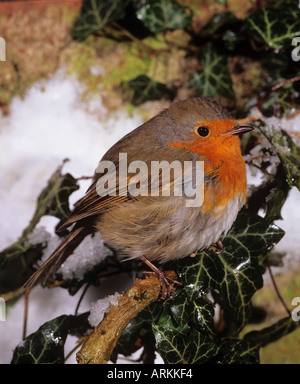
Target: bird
pixel 159 227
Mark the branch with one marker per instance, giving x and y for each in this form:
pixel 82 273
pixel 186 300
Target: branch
pixel 100 344
pixel 274 88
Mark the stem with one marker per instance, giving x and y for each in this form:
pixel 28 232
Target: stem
pixel 25 319
pixel 101 343
pixel 277 291
pixel 74 349
pixel 126 33
pixel 275 87
pixel 81 297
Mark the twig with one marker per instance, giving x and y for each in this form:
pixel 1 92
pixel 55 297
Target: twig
pixel 25 319
pixel 292 115
pixel 84 178
pixel 81 297
pixel 12 294
pixel 80 342
pixel 277 291
pixel 173 44
pixel 100 344
pixel 274 88
pixel 126 33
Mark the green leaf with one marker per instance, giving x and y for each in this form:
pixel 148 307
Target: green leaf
pixel 275 204
pixel 53 200
pixel 159 16
pixel 14 264
pixel 96 14
pixel 236 351
pixel 280 66
pixel 231 39
pixel 196 348
pixel 214 79
pixel 236 272
pixel 145 89
pixel 196 311
pixel 287 151
pixel 273 333
pixel 46 345
pixel 272 194
pixel 275 26
pixel 179 348
pixel 126 342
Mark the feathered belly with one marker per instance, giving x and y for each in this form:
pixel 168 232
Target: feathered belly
pixel 164 229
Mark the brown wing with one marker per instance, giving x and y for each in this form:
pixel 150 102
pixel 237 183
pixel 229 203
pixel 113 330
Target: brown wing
pixel 92 204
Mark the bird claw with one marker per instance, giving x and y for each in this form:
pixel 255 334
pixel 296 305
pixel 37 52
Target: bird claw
pixel 164 280
pixel 165 283
pixel 219 247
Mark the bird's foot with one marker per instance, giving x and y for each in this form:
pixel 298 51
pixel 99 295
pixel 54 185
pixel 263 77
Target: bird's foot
pixel 219 247
pixel 164 280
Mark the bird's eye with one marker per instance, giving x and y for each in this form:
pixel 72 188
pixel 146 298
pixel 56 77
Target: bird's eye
pixel 202 131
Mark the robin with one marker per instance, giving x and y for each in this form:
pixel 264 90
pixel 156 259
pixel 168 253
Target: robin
pixel 160 227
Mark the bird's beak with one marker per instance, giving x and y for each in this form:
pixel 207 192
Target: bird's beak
pixel 239 129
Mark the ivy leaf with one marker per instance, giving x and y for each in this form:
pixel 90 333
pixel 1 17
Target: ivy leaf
pixel 236 272
pixel 196 311
pixel 196 348
pixel 181 348
pixel 236 351
pixel 272 333
pixel 214 79
pixel 53 200
pixel 275 26
pixel 287 151
pixel 159 16
pixel 280 66
pixel 145 89
pixel 46 345
pixel 126 342
pixel 275 203
pixel 95 15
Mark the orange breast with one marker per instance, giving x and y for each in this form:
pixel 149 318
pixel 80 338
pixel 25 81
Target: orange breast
pixel 222 159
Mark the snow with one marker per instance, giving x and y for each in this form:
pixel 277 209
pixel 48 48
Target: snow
pixel 290 125
pixel 51 123
pixel 290 242
pixel 100 307
pixel 290 212
pixel 90 252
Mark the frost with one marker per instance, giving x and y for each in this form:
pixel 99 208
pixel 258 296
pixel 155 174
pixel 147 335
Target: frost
pixel 271 194
pixel 100 307
pixel 289 124
pixel 41 236
pixel 52 122
pixel 88 254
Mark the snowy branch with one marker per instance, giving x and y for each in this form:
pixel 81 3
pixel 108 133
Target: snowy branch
pixel 100 344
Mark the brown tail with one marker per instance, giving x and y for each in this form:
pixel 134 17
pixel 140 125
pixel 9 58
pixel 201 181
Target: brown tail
pixel 51 265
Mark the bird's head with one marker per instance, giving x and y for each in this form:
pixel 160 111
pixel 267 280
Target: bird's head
pixel 205 127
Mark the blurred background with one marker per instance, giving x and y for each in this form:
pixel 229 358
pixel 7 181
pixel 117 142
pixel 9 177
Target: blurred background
pixel 75 78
